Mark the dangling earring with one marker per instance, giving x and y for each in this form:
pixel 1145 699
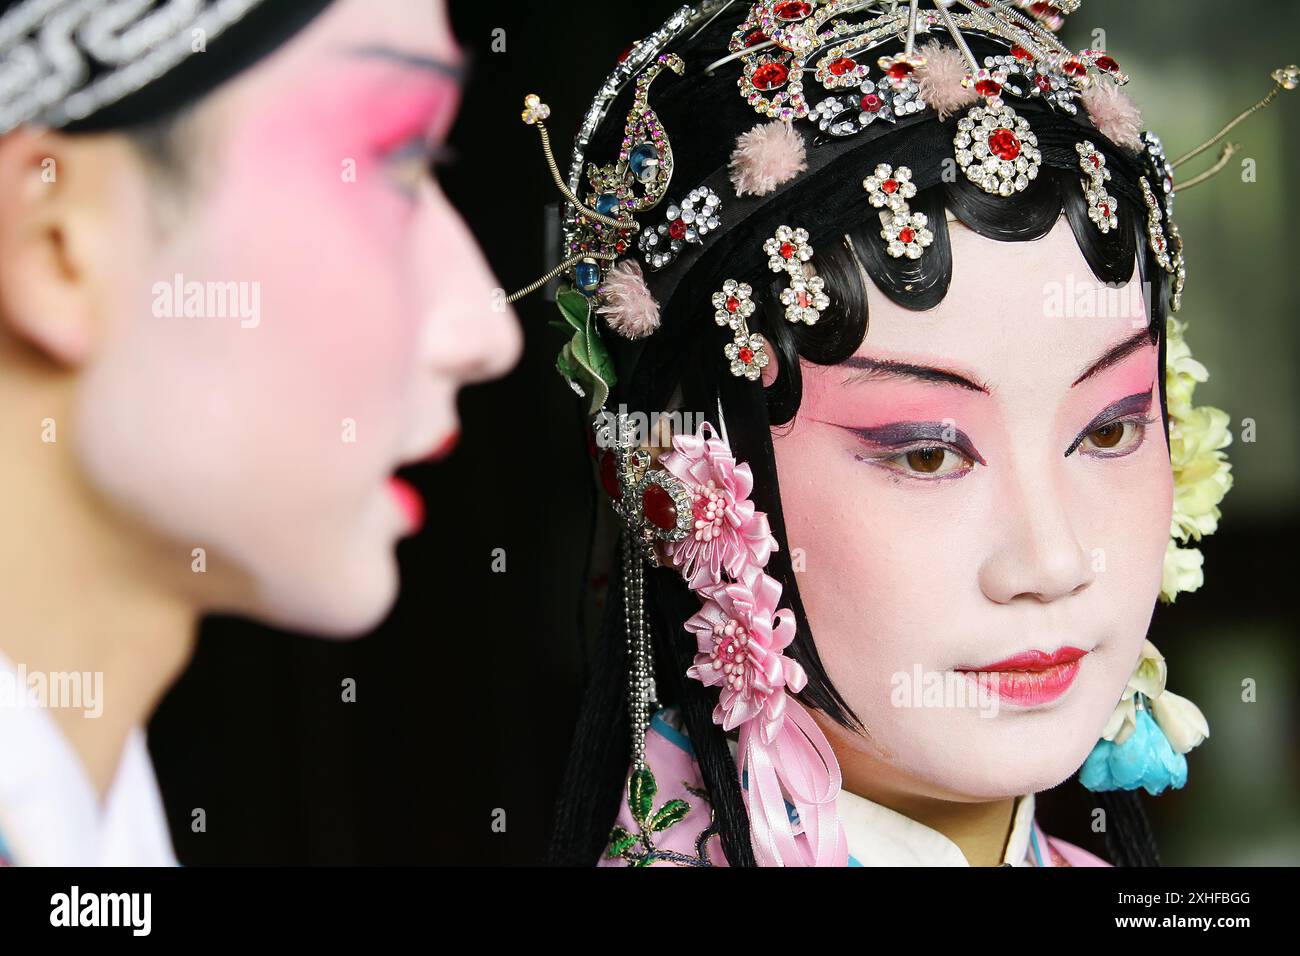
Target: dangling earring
pixel 655 506
pixel 1145 742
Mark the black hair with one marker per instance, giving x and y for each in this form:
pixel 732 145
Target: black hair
pixel 685 368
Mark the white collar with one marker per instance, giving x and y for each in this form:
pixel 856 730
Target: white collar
pixel 50 814
pixel 879 836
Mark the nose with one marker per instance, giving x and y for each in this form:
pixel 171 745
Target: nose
pixel 1038 554
pixel 472 334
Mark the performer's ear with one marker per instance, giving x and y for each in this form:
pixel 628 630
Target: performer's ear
pixel 54 243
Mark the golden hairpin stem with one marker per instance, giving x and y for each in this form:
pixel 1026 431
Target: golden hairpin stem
pixel 535 112
pixel 1284 78
pixel 1228 150
pixel 572 260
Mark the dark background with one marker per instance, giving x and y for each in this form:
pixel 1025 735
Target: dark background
pixel 468 693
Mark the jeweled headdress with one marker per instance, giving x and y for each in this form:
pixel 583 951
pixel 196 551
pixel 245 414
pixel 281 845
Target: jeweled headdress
pixel 752 134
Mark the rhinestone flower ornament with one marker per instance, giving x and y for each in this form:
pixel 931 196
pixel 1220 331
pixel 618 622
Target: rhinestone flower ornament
pixel 1101 204
pixel 748 355
pixel 746 352
pixel 805 299
pixel 997 150
pixel 687 223
pixel 907 234
pixel 890 187
pixel 788 250
pixel 734 304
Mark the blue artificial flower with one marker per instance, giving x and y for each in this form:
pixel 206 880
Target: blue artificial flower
pixel 1145 760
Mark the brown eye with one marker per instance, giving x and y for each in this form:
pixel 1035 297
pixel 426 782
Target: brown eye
pixel 1107 436
pixel 926 460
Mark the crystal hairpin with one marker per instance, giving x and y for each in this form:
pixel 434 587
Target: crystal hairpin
pixel 1101 204
pixel 637 181
pixel 905 233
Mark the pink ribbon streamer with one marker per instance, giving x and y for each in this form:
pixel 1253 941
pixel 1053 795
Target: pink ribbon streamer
pixel 800 758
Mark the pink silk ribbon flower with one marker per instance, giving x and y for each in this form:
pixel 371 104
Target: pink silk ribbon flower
pixel 727 533
pixel 740 638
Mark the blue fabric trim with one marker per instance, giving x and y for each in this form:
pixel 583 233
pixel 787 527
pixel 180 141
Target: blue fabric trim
pixel 670 733
pixel 5 853
pixel 1033 842
pixel 853 861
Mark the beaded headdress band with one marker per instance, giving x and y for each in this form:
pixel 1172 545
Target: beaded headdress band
pixel 68 62
pixel 843 73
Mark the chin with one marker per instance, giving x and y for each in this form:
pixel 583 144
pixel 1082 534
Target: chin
pixel 976 758
pixel 347 605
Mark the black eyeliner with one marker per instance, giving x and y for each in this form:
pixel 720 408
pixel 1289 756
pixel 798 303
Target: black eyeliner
pixel 902 434
pixel 1136 404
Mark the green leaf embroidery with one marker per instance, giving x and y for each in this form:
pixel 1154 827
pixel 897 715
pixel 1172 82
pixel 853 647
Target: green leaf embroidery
pixel 641 790
pixel 670 813
pixel 619 841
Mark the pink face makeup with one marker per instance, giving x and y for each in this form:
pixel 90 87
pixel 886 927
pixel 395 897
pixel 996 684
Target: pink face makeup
pixel 967 500
pixel 277 446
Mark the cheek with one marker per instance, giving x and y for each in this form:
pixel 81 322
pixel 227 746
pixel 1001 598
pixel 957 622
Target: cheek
pixel 1126 521
pixel 268 432
pixel 879 562
pixel 340 322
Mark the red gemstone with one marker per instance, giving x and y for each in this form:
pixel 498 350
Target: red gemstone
pixel 788 249
pixel 1106 63
pixel 1004 144
pixel 899 70
pixel 1020 53
pixel 871 103
pixel 1043 82
pixel 746 354
pixel 841 66
pixel 732 303
pixel 659 508
pixel 988 88
pixel 889 185
pixel 770 75
pixel 1160 243
pixel 609 475
pixel 677 229
pixel 803 300
pixel 755 37
pixel 906 234
pixel 792 10
pixel 1042 9
pixel 1074 68
pixel 620 246
pixel 1105 210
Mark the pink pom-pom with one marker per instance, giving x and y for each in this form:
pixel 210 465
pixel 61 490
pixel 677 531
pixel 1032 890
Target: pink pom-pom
pixel 1114 115
pixel 765 157
pixel 629 308
pixel 940 79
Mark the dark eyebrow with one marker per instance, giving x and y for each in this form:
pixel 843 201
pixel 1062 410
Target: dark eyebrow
pixel 870 369
pixel 456 70
pixel 1114 354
